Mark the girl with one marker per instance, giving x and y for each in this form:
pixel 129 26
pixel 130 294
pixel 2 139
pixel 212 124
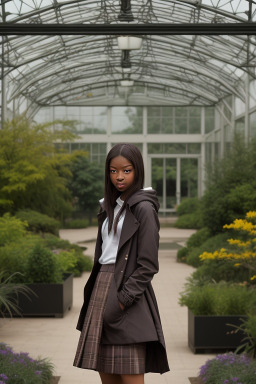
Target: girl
pixel 121 334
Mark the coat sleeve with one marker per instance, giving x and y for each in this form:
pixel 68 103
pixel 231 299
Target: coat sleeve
pixel 147 255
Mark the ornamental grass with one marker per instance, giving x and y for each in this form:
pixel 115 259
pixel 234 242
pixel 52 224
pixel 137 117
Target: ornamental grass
pixel 20 368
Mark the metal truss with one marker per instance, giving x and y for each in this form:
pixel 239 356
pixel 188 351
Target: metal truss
pixel 194 52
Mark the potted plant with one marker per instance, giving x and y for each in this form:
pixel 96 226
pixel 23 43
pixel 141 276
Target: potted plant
pixel 53 289
pixel 212 311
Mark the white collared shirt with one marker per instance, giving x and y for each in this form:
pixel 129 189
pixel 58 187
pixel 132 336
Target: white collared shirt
pixel 110 241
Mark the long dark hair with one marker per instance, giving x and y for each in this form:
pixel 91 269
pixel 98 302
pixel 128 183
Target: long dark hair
pixel 133 155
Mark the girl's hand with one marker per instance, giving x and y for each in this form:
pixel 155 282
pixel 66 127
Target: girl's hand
pixel 121 306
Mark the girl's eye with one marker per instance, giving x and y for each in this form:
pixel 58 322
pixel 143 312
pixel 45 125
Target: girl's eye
pixel 127 170
pixel 112 170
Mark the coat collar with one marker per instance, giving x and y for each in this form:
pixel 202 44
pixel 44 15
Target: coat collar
pixel 130 226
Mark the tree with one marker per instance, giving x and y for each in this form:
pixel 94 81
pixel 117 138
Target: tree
pixel 87 183
pixel 32 174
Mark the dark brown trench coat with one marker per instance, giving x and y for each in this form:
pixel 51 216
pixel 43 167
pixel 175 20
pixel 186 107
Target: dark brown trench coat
pixel 136 264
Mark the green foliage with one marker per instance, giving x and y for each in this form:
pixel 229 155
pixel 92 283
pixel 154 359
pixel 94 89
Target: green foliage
pixel 38 222
pixel 83 262
pixel 229 368
pixel 182 254
pixel 219 299
pixel 76 224
pixel 20 368
pixel 42 266
pixel 32 174
pixel 248 327
pixel 9 295
pixel 11 229
pixel 189 221
pixel 189 212
pixel 198 238
pixel 219 270
pixel 231 186
pixel 87 183
pixel 189 205
pixel 210 245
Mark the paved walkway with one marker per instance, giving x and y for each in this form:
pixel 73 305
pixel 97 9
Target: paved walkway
pixel 57 338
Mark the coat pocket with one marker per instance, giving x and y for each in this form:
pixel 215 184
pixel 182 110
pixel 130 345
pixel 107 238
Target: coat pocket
pixel 113 313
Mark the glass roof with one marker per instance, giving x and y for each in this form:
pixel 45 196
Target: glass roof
pixel 87 70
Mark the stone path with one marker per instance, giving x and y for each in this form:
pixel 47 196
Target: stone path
pixel 57 338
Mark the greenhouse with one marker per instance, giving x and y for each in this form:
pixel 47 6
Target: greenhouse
pixel 175 77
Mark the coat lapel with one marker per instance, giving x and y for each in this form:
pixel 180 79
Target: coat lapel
pixel 130 226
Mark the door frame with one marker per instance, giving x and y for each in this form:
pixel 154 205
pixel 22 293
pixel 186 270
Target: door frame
pixel 178 158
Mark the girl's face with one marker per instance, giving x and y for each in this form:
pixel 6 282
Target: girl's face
pixel 121 174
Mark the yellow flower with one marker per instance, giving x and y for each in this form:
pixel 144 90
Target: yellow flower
pixel 237 265
pixel 253 277
pixel 239 243
pixel 251 215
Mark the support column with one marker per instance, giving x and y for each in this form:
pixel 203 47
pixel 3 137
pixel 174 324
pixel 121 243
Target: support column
pixel 201 164
pixel 3 79
pixel 178 181
pixel 247 109
pixel 164 183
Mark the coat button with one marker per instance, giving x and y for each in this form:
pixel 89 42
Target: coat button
pixel 126 257
pixel 122 271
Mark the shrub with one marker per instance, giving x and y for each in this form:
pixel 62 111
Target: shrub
pixel 229 368
pixel 219 270
pixel 189 205
pixel 219 299
pixel 182 254
pixel 82 262
pixel 198 238
pixel 189 221
pixel 38 222
pixel 210 245
pixel 11 229
pixel 77 224
pixel 42 266
pixel 20 368
pixel 230 186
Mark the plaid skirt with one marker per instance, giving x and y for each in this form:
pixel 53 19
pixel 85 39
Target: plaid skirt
pixel 91 354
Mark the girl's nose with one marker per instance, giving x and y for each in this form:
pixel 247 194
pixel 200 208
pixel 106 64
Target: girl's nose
pixel 120 176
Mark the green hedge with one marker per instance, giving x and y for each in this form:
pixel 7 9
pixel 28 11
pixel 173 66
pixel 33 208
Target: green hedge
pixel 38 222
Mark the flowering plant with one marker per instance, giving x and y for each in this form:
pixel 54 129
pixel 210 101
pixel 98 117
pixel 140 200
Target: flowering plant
pixel 20 368
pixel 229 368
pixel 242 252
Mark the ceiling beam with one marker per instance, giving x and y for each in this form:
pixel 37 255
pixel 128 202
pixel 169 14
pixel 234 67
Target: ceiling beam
pixel 129 29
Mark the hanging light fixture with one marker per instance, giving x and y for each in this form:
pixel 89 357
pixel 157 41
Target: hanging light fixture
pixel 129 42
pixel 125 11
pixel 126 83
pixel 125 61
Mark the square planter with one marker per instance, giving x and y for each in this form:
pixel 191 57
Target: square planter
pixel 51 300
pixel 211 333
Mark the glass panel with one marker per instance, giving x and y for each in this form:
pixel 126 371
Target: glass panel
pixel 253 124
pixel 157 178
pixel 160 120
pixel 170 183
pixel 189 177
pixel 209 119
pixel 194 148
pixel 239 126
pixel 175 148
pixel 252 93
pixel 127 120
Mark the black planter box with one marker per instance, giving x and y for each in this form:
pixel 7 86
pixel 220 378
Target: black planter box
pixel 211 333
pixel 50 300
